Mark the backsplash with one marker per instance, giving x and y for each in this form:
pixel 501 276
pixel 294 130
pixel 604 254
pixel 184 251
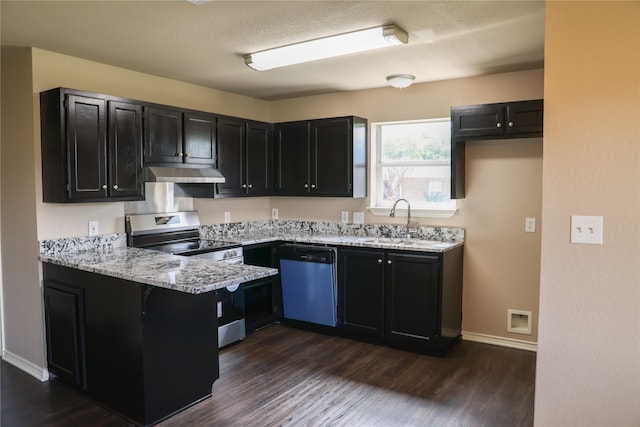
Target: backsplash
pixel 104 242
pixel 233 231
pixel 252 230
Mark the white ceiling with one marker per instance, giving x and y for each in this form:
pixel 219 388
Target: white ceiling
pixel 205 44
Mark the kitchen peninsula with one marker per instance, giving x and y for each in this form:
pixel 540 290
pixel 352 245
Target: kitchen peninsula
pixel 135 330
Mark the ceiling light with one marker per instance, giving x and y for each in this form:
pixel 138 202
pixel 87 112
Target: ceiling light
pixel 328 47
pixel 400 81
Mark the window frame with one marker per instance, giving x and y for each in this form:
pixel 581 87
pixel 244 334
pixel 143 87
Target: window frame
pixel 375 178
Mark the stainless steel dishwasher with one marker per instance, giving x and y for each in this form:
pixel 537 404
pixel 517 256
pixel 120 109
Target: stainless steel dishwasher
pixel 308 277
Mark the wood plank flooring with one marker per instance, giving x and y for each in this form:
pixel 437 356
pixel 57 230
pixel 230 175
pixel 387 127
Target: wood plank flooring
pixel 281 376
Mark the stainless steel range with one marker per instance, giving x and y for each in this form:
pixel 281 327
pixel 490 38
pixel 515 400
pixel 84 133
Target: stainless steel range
pixel 178 233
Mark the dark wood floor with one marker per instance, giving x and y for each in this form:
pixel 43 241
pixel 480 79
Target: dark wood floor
pixel 281 376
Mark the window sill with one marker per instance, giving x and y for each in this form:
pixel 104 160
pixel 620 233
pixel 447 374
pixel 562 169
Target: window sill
pixel 415 213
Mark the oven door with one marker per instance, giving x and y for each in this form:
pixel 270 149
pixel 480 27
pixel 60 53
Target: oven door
pixel 230 308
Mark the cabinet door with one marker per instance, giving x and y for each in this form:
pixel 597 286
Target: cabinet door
pixel 525 117
pixel 200 138
pixel 331 157
pixel 411 297
pixel 125 150
pixel 86 147
pixel 259 158
pixel 231 136
pixel 64 321
pixel 478 120
pixel 292 158
pixel 163 135
pixel 361 291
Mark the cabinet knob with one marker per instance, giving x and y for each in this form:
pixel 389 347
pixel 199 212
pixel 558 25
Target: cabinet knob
pixel 306 185
pixel 250 186
pixel 510 124
pixel 179 155
pixel 104 186
pixel 313 186
pixel 498 125
pixel 379 261
pixel 388 261
pixel 187 155
pixel 244 185
pixel 115 187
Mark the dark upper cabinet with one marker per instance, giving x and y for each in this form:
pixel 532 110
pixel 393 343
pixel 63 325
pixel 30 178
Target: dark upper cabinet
pixel 411 300
pixel 163 136
pixel 91 147
pixel 176 137
pixel 125 149
pixel 325 157
pixel 200 138
pixel 293 151
pixel 245 157
pixel 506 120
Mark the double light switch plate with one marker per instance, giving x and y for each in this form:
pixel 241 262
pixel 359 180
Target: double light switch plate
pixel 586 229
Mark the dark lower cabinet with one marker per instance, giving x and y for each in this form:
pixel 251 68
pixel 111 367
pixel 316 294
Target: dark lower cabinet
pixel 149 352
pixel 64 320
pixel 361 291
pixel 410 300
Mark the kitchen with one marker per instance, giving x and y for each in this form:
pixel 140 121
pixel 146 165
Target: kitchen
pixel 483 221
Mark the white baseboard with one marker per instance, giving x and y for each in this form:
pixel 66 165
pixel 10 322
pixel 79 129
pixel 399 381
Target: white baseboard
pixel 501 341
pixel 32 369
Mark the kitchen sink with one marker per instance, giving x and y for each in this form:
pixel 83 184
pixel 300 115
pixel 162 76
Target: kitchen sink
pixel 405 242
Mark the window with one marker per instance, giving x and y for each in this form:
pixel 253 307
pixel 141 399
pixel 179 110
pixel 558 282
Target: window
pixel 412 161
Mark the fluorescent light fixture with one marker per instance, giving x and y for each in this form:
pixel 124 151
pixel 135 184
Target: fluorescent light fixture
pixel 327 47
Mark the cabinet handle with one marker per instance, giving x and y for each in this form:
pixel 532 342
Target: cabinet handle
pixel 388 261
pixel 498 125
pixel 115 187
pixel 306 185
pixel 510 124
pixel 104 186
pixel 379 261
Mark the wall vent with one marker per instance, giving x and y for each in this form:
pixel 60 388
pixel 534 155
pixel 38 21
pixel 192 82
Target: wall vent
pixel 519 321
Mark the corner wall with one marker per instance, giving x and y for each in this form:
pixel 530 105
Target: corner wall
pixel 588 369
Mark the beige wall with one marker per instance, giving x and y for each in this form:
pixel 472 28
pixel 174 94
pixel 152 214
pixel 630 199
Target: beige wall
pixel 588 366
pixel 504 180
pixel 504 185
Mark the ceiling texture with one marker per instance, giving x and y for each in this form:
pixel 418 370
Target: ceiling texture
pixel 205 43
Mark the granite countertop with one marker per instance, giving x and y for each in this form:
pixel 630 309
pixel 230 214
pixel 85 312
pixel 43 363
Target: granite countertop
pixel 413 244
pixel 185 274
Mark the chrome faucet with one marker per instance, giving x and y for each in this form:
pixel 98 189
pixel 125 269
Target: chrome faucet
pixel 392 214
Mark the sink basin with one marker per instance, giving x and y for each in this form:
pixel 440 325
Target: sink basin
pixel 422 243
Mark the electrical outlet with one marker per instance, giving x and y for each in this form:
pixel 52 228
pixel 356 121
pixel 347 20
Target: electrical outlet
pixel 344 217
pixel 227 217
pixel 586 229
pixel 358 217
pixel 274 213
pixel 94 228
pixel 530 225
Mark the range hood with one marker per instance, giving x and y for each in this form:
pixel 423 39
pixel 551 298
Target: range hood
pixel 184 175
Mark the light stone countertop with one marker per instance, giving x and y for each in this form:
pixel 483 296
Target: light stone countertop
pixel 184 274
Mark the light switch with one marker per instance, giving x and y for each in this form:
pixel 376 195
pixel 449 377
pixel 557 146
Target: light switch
pixel 358 217
pixel 344 217
pixel 586 229
pixel 227 217
pixel 530 225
